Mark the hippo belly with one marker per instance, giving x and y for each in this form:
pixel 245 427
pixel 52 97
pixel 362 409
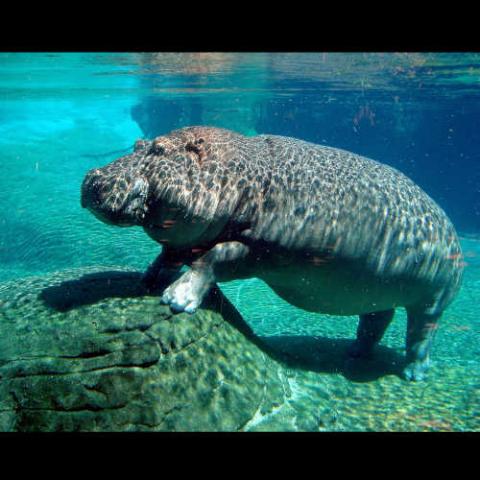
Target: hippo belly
pixel 334 287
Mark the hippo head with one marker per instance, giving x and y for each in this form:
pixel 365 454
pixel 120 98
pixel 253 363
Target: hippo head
pixel 117 194
pixel 177 182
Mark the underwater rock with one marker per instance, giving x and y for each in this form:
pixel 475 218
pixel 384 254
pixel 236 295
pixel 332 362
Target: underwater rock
pixel 91 350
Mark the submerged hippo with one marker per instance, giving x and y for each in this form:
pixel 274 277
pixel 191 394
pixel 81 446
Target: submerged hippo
pixel 329 231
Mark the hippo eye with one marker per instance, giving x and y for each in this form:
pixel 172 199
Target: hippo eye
pixel 190 147
pixel 158 149
pixel 197 149
pixel 139 145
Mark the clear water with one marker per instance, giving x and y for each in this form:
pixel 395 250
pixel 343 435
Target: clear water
pixel 62 114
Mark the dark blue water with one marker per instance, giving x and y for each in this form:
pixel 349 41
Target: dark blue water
pixel 417 112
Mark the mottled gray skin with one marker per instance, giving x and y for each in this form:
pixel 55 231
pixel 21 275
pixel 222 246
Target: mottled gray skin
pixel 329 231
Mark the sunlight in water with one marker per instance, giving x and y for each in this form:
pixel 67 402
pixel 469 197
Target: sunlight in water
pixel 74 310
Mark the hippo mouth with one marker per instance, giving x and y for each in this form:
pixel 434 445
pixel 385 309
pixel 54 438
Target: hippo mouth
pixel 126 206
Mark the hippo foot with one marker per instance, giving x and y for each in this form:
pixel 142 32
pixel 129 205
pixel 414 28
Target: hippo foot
pixel 187 293
pixel 415 371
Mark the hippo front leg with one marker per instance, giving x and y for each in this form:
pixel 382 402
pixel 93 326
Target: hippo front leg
pixel 164 269
pixel 187 293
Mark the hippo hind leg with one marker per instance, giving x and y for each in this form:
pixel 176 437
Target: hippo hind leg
pixel 422 324
pixel 370 331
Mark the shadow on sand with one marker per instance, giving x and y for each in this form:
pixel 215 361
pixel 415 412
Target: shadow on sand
pixel 327 355
pixel 317 354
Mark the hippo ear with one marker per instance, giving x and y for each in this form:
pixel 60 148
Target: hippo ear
pixel 140 145
pixel 198 148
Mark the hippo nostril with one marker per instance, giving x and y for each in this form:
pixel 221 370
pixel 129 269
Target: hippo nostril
pixel 90 194
pixel 85 193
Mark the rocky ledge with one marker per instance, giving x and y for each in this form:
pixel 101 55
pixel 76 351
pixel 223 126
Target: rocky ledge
pixel 92 350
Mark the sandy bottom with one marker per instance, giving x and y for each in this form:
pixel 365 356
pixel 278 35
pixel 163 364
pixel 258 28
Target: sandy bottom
pixel 370 396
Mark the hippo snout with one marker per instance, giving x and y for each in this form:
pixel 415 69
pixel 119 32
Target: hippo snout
pixel 115 200
pixel 90 190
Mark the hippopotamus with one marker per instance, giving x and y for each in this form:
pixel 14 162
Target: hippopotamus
pixel 328 230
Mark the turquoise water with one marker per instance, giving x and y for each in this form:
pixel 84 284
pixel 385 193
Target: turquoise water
pixel 62 114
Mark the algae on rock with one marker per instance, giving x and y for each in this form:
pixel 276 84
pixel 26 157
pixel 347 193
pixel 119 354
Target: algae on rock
pixel 91 350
